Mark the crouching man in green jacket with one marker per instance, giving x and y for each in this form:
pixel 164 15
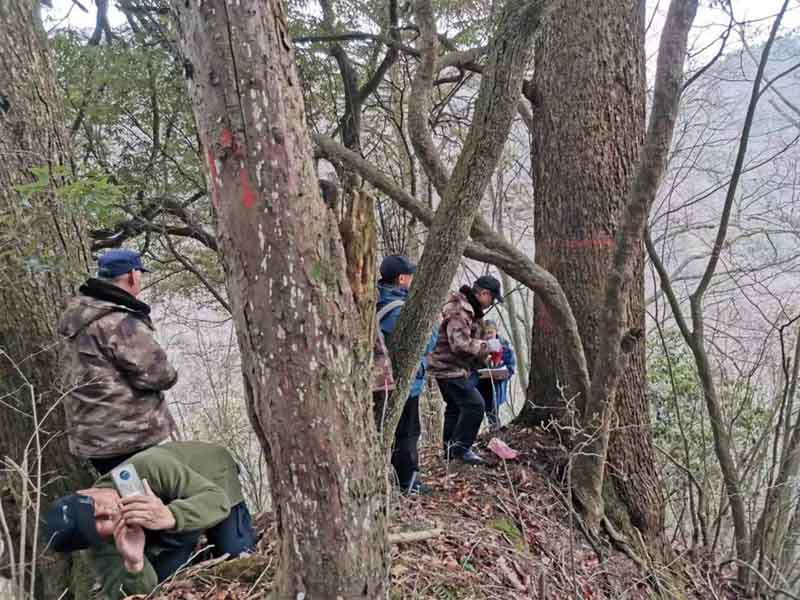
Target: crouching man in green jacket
pixel 191 488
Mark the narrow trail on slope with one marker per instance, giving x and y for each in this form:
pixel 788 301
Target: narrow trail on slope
pixel 501 531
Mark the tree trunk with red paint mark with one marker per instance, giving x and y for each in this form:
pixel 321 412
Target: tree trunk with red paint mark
pixel 306 361
pixel 589 107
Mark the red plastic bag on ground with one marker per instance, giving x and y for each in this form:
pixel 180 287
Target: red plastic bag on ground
pixel 502 450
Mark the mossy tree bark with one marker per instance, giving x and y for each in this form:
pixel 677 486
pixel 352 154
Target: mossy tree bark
pixel 43 256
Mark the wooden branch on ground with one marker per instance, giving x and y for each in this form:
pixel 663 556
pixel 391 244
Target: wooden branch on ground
pixel 408 537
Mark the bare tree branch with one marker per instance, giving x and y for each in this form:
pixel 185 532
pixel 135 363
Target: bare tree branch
pixel 356 36
pixel 704 69
pixel 738 165
pixel 143 222
pixel 187 264
pixel 420 103
pixel 101 26
pixel 455 217
pixel 696 339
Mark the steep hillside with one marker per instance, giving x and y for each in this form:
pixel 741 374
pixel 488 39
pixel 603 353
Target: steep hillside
pixel 498 532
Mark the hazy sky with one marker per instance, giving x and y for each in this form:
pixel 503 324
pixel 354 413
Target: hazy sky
pixel 744 10
pixel 708 24
pixel 68 14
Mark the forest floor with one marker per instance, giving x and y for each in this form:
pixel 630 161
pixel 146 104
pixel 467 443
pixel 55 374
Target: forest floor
pixel 497 532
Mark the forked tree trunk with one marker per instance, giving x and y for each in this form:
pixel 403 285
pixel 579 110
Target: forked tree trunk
pixel 590 109
pixel 42 256
pixel 304 355
pixel 508 58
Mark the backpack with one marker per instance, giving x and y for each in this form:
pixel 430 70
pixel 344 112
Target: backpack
pixel 382 374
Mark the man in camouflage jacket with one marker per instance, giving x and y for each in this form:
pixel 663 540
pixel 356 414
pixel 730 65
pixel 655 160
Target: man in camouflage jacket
pixel 458 353
pixel 115 371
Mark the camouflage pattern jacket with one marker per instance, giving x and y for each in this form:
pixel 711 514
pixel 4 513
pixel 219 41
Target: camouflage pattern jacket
pixel 114 374
pixel 459 350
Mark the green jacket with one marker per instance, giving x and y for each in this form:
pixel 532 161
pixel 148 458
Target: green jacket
pixel 199 483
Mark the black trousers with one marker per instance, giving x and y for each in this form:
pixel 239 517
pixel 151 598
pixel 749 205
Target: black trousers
pixel 405 456
pixel 463 414
pixel 487 391
pixel 233 536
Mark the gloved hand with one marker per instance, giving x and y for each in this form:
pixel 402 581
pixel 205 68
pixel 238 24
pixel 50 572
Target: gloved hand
pixel 494 345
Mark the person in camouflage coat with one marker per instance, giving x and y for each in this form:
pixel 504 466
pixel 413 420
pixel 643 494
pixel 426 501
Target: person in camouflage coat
pixel 115 371
pixel 459 352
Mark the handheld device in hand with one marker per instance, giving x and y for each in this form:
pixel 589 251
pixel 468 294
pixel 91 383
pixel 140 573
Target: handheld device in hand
pixel 127 481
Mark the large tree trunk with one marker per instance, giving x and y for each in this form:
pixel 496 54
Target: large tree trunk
pixel 616 339
pixel 589 107
pixel 42 256
pixel 304 355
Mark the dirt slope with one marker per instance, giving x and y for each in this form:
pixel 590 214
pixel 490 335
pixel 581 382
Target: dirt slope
pixel 503 531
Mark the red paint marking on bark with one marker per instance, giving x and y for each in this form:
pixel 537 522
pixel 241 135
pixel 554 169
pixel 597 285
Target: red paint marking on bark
pixel 604 242
pixel 544 321
pixel 229 141
pixel 248 196
pixel 227 138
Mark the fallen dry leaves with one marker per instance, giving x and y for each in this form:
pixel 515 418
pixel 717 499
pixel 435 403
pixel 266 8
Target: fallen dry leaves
pixel 505 535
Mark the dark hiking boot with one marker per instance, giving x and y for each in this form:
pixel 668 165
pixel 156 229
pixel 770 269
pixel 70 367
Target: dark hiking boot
pixel 470 458
pixel 418 489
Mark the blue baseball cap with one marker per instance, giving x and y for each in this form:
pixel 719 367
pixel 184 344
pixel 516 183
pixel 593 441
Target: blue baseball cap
pixel 395 265
pixel 118 262
pixel 70 524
